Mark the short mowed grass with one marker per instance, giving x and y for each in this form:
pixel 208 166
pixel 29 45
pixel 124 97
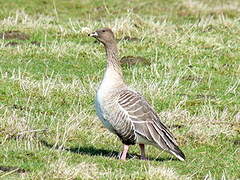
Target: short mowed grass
pixel 50 70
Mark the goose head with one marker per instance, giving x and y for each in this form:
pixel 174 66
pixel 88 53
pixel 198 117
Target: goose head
pixel 104 35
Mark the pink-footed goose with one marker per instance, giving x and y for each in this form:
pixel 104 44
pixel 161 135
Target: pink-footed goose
pixel 125 112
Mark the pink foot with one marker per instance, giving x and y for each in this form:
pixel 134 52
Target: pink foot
pixel 124 153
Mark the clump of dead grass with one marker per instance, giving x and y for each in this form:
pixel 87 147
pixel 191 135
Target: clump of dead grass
pixel 46 86
pixel 205 126
pixel 165 173
pixel 61 169
pixel 193 7
pixel 67 128
pixel 209 176
pixel 12 125
pixel 20 128
pixel 22 19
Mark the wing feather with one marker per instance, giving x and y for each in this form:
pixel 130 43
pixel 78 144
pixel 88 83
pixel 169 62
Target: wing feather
pixel 143 121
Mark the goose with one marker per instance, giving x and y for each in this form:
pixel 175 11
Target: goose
pixel 125 112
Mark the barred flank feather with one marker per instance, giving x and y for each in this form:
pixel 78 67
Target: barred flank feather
pixel 146 123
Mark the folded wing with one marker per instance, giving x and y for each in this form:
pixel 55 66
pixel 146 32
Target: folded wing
pixel 135 119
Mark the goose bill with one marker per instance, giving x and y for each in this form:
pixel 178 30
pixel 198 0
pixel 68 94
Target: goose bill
pixel 93 34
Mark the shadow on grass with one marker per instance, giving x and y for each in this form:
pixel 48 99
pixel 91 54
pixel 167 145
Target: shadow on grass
pixel 92 151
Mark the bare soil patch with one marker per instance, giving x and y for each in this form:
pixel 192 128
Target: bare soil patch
pixel 9 35
pixel 131 60
pixel 14 169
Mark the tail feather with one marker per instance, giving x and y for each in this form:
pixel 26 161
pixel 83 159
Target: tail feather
pixel 178 153
pixel 163 139
pixel 168 143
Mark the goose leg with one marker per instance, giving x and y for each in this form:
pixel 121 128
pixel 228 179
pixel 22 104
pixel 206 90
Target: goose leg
pixel 142 148
pixel 124 153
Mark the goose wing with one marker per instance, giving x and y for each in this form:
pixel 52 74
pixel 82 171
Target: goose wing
pixel 138 119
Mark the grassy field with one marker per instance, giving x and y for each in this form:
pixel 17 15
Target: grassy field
pixel 50 70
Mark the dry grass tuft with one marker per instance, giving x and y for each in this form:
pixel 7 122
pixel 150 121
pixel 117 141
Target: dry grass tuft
pixel 211 122
pixel 193 7
pixel 46 86
pixel 67 128
pixel 15 126
pixel 22 19
pixel 204 127
pixel 209 176
pixel 20 128
pixel 62 170
pixel 163 173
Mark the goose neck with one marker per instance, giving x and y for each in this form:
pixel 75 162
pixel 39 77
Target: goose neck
pixel 112 56
pixel 113 74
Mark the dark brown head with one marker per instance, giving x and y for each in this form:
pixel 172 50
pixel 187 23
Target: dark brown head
pixel 104 35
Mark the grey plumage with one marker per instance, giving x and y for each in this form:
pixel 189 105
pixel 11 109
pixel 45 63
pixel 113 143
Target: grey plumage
pixel 125 112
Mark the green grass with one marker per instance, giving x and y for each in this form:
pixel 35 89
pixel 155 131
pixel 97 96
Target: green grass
pixel 48 125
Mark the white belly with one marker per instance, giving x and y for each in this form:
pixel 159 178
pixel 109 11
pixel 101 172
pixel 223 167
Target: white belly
pixel 102 114
pixel 111 81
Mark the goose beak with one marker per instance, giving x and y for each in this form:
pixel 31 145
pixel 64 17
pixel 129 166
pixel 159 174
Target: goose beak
pixel 93 34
